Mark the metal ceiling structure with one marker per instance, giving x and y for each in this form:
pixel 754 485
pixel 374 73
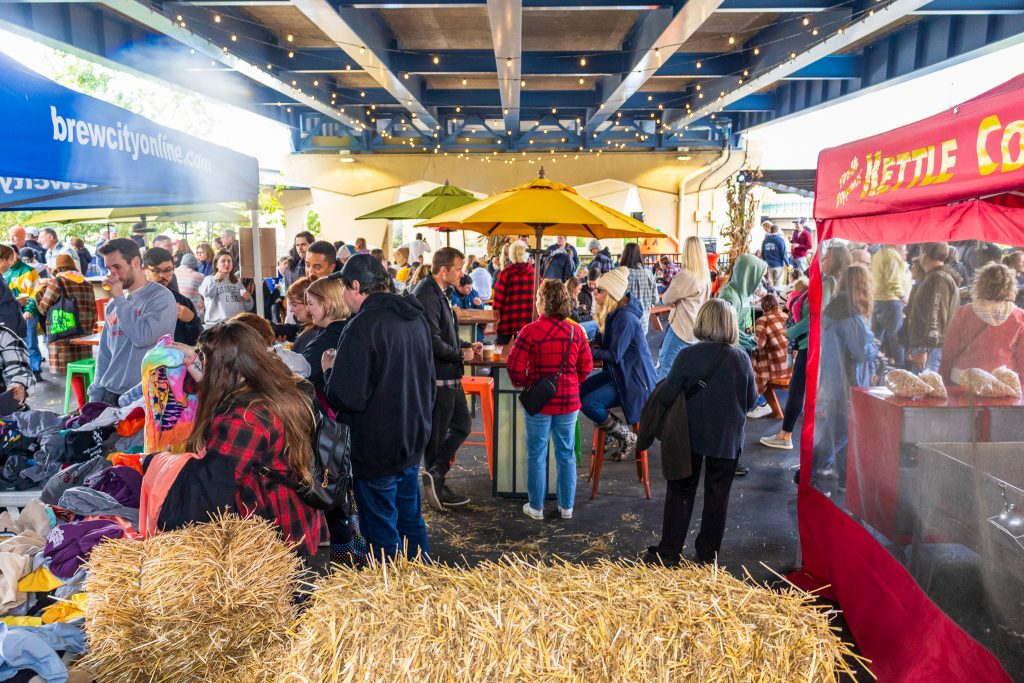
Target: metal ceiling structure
pixel 433 76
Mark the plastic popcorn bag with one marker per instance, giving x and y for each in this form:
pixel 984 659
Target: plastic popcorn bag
pixel 984 384
pixel 1009 378
pixel 936 389
pixel 906 384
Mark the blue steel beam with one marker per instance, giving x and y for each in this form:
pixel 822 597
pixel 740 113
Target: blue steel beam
pixel 833 67
pixel 658 35
pixel 743 6
pixel 367 43
pixel 928 44
pixel 779 59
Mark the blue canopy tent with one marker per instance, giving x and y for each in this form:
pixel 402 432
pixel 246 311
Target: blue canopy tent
pixel 65 150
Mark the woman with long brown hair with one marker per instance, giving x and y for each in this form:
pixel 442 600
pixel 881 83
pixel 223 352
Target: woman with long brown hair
pixel 205 255
pixel 848 355
pixel 224 295
pixel 253 410
pixel 180 249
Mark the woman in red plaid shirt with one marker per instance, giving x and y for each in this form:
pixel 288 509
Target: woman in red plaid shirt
pixel 538 352
pixel 253 410
pixel 513 293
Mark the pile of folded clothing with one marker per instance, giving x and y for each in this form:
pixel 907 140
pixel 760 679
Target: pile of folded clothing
pixel 43 556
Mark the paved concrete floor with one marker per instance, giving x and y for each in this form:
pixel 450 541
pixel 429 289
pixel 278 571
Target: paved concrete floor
pixel 761 537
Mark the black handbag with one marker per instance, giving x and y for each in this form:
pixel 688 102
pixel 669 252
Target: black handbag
pixel 331 469
pixel 538 394
pixel 62 320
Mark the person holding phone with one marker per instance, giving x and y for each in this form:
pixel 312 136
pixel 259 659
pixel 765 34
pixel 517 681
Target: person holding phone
pixel 224 295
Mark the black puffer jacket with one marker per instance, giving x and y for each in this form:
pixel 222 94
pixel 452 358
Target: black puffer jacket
pixel 382 385
pixel 444 329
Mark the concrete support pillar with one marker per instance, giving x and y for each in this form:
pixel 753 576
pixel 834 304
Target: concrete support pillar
pixel 338 212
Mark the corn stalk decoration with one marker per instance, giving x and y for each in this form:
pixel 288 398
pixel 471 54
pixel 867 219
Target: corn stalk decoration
pixel 743 207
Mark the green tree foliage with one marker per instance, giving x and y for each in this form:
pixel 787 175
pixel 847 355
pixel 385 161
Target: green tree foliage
pixel 313 222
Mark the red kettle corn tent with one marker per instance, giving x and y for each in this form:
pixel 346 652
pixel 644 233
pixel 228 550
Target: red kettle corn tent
pixel 910 507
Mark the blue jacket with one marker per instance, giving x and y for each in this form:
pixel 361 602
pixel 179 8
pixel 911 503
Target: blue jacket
pixel 625 354
pixel 773 251
pixel 465 302
pixel 848 351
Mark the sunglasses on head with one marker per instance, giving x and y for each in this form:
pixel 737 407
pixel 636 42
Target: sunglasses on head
pixel 600 290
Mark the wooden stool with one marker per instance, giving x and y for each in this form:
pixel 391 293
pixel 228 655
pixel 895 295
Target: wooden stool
pixel 772 399
pixel 597 457
pixel 483 387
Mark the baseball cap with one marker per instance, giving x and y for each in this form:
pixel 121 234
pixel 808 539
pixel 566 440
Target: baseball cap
pixel 32 232
pixel 362 268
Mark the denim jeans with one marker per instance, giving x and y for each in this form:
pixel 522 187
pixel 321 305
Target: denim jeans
pixel 932 362
pixel 598 394
pixel 35 358
pixel 671 345
pixel 562 428
pixel 390 517
pixel 590 327
pixel 886 320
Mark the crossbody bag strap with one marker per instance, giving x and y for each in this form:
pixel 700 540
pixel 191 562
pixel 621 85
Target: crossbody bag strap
pixel 565 358
pixel 703 381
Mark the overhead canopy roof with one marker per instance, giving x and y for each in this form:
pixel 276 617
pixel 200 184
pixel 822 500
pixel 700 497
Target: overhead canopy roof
pixel 502 75
pixel 66 150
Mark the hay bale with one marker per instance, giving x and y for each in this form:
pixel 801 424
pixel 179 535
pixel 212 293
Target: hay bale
pixel 205 603
pixel 518 621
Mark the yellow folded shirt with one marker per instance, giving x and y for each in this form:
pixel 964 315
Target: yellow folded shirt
pixel 41 580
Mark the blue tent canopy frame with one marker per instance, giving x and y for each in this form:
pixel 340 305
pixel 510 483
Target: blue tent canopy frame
pixel 60 149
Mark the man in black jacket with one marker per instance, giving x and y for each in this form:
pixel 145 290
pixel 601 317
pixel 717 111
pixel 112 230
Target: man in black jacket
pixel 384 392
pixel 602 257
pixel 451 423
pixel 160 269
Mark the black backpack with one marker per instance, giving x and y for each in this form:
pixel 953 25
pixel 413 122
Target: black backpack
pixel 331 469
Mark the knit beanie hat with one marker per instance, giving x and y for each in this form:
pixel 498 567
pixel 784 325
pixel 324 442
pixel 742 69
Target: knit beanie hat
pixel 594 243
pixel 190 261
pixel 615 282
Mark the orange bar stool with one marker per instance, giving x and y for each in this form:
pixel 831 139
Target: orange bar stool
pixel 597 457
pixel 484 388
pixel 101 309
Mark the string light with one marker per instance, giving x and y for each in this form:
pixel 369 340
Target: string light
pixel 406 75
pixel 291 54
pixel 583 61
pixel 732 40
pixel 216 18
pixel 581 81
pixel 290 38
pixel 807 22
pixel 234 38
pixel 522 84
pixel 757 50
pixel 508 62
pixel 699 64
pixel 463 81
pixel 437 60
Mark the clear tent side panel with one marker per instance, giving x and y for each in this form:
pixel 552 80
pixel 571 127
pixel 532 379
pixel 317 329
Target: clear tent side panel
pixel 919 424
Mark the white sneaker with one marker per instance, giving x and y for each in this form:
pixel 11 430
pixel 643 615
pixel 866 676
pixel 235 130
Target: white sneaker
pixel 760 411
pixel 776 442
pixel 566 514
pixel 531 513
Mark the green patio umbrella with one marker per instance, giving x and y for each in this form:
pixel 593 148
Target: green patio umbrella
pixel 443 198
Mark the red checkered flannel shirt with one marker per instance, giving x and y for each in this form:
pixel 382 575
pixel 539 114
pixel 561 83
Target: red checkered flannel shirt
pixel 538 352
pixel 513 297
pixel 253 434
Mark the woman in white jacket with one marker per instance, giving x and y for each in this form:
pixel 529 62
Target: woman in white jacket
pixel 686 294
pixel 223 294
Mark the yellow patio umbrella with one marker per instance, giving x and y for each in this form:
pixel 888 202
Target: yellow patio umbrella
pixel 540 206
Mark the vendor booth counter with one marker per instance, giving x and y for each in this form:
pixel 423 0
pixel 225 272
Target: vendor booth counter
pixel 882 478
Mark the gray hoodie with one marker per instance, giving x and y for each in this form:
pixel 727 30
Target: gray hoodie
pixel 134 323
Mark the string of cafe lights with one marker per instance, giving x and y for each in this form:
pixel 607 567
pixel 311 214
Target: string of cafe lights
pixel 805 21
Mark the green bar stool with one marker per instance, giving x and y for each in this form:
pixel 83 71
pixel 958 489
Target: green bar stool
pixel 87 369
